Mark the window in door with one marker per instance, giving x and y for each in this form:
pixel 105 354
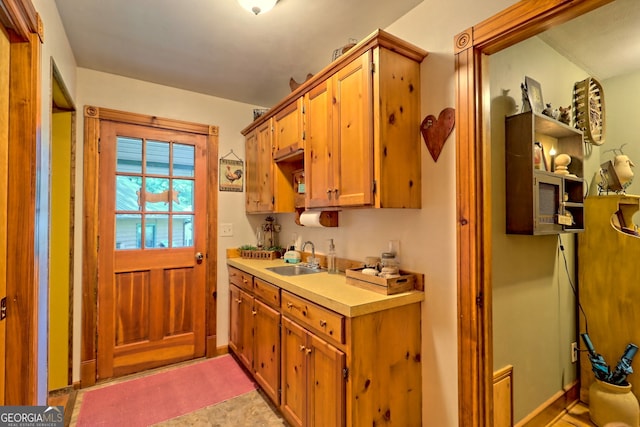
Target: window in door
pixel 154 194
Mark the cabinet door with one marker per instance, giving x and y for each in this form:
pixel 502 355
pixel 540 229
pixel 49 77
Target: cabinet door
pixel 265 168
pixel 318 154
pixel 353 133
pixel 288 134
pixel 266 356
pixel 241 325
pixel 235 335
pixel 251 172
pixel 294 373
pixel 259 171
pixel 326 384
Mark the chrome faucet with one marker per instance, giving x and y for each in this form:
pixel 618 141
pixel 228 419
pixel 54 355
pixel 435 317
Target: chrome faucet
pixel 312 261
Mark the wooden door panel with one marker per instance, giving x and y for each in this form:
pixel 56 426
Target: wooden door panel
pixel 132 312
pixel 4 207
pixel 178 301
pixel 326 384
pixel 267 349
pixel 265 168
pixel 353 133
pixel 318 148
pixel 287 125
pixel 294 373
pixel 235 326
pixel 151 284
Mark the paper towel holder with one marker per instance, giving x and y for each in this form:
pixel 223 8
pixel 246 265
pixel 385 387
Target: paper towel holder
pixel 327 218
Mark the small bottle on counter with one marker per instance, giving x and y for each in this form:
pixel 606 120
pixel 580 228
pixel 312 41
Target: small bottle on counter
pixel 332 267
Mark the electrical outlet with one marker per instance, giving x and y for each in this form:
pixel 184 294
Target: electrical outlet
pixel 574 352
pixel 226 230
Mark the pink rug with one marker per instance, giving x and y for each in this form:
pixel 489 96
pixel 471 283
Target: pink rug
pixel 159 397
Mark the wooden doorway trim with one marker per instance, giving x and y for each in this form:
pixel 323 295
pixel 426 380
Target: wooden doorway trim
pixel 92 117
pixel 24 27
pixel 475 346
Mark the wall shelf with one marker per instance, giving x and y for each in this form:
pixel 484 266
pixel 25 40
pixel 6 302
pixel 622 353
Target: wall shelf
pixel 539 200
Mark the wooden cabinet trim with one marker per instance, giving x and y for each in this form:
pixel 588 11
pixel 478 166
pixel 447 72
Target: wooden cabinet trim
pixel 323 322
pixel 241 279
pixel 377 38
pixel 267 292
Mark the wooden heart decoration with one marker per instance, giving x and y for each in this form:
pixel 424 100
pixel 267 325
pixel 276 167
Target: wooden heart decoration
pixel 436 131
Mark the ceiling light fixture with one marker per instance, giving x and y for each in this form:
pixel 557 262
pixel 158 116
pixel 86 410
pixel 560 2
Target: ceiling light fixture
pixel 258 6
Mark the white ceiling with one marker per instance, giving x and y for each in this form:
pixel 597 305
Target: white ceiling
pixel 214 46
pixel 604 42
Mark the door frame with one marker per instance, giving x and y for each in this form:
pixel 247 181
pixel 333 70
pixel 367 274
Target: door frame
pixel 25 29
pixel 514 24
pixel 90 240
pixel 61 102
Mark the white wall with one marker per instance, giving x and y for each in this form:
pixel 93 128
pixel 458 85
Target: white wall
pixel 120 93
pixel 56 48
pixel 427 235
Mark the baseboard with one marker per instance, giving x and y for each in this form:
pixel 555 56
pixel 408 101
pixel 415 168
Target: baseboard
pixel 222 350
pixel 553 408
pixel 87 373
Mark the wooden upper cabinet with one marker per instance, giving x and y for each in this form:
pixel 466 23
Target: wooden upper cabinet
pixel 352 133
pixel 339 127
pixel 318 153
pixel 358 123
pixel 288 135
pixel 362 134
pixel 259 171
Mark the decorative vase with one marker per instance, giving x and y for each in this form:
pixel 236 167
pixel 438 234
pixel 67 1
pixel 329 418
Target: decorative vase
pixel 610 403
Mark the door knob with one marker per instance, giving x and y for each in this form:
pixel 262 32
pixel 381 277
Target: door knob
pixel 199 257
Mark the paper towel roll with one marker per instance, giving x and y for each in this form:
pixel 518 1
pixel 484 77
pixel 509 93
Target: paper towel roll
pixel 311 218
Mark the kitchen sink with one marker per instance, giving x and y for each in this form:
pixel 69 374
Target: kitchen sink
pixel 295 270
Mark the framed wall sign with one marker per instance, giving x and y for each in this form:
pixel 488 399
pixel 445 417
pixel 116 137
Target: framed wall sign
pixel 231 173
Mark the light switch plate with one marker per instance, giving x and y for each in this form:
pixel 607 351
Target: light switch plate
pixel 226 230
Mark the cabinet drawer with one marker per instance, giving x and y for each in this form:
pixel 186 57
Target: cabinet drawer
pixel 325 322
pixel 266 292
pixel 241 279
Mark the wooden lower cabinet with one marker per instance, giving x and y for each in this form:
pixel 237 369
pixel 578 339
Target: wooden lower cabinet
pixel 241 334
pixel 322 368
pixel 313 379
pixel 254 337
pixel 266 345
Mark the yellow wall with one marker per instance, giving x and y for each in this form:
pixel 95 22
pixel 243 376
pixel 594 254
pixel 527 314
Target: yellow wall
pixel 59 285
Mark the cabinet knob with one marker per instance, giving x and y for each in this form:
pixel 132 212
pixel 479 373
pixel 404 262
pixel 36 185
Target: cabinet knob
pixel 254 312
pixel 289 305
pixel 302 348
pixel 239 301
pixel 323 323
pixel 308 351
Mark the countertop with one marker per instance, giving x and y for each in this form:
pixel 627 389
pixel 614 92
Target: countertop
pixel 328 290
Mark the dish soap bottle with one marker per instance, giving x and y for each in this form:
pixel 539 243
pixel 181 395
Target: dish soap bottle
pixel 332 268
